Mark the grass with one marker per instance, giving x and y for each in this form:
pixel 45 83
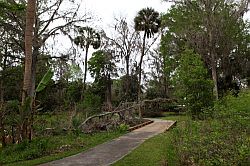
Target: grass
pixel 154 151
pixel 42 150
pixel 179 117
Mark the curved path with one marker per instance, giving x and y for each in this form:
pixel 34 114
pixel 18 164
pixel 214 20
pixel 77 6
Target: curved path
pixel 112 151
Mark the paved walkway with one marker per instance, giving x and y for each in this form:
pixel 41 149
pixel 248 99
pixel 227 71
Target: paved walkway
pixel 112 151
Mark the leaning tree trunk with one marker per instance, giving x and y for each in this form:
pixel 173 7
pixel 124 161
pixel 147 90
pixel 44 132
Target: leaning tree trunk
pixel 27 81
pixel 140 65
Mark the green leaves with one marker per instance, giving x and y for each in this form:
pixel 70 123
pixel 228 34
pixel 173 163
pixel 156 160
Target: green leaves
pixel 147 20
pixel 101 64
pixel 192 83
pixel 220 140
pixel 45 80
pixel 87 36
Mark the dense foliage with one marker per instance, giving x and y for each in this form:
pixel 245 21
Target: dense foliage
pixel 222 139
pixel 192 83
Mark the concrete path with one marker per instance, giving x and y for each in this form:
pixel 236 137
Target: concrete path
pixel 112 151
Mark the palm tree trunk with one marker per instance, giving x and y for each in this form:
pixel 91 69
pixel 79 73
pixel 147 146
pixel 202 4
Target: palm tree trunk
pixel 139 81
pixel 27 81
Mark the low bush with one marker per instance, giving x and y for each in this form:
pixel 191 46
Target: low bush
pixel 222 139
pixel 123 128
pixel 25 150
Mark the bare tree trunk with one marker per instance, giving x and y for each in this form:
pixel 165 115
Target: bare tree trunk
pixel 2 114
pixel 27 81
pixel 165 81
pixel 33 82
pixel 214 76
pixel 140 65
pixel 213 66
pixel 127 78
pixel 108 95
pixel 85 71
pixel 127 65
pixel 2 131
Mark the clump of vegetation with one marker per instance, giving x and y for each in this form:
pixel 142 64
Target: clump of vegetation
pixel 123 128
pixel 193 85
pixel 220 140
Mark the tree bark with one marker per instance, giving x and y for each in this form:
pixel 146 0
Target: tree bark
pixel 27 81
pixel 108 91
pixel 85 71
pixel 2 104
pixel 140 65
pixel 213 64
pixel 127 78
pixel 2 130
pixel 214 76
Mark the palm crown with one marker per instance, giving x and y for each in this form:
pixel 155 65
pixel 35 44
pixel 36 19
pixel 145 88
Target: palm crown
pixel 147 20
pixel 88 36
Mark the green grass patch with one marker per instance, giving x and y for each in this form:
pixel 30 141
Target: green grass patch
pixel 179 117
pixel 157 150
pixel 45 149
pixel 151 152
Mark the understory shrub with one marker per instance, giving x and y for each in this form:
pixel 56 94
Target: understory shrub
pixel 193 86
pixel 25 150
pixel 123 128
pixel 220 140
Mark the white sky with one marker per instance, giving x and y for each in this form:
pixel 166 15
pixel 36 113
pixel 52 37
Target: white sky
pixel 107 10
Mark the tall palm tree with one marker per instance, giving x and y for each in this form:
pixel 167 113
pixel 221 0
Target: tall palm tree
pixel 88 37
pixel 148 21
pixel 27 81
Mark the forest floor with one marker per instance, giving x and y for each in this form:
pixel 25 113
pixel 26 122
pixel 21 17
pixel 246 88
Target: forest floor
pixel 112 151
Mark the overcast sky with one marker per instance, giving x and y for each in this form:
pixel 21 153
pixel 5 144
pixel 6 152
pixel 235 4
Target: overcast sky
pixel 106 10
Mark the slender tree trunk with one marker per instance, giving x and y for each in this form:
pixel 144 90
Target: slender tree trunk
pixel 1 92
pixel 140 72
pixel 2 130
pixel 213 66
pixel 210 27
pixel 27 81
pixel 127 78
pixel 1 107
pixel 33 79
pixel 165 81
pixel 108 95
pixel 3 76
pixel 85 71
pixel 214 76
pixel 127 65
